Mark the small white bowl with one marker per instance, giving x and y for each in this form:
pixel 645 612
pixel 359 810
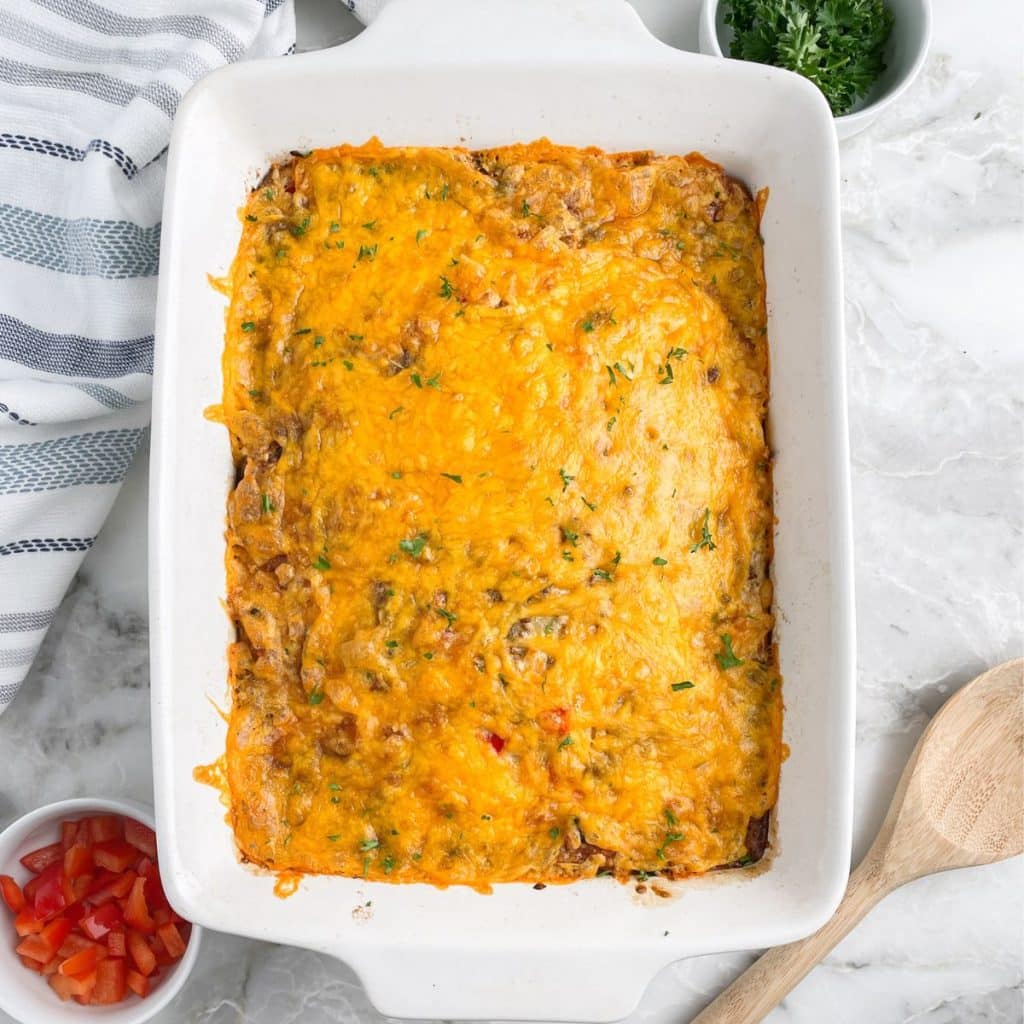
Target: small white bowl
pixel 905 54
pixel 26 995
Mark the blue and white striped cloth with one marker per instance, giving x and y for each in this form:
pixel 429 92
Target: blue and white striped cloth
pixel 87 93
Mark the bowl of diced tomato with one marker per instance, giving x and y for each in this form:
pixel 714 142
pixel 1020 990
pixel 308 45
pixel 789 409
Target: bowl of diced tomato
pixel 84 922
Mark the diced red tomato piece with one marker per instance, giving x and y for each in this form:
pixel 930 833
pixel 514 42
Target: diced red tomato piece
pixel 12 894
pixel 155 896
pixel 141 954
pixel 39 860
pixel 116 943
pixel 97 923
pixel 82 962
pixel 110 982
pixel 48 895
pixel 104 827
pixel 73 944
pixel 142 837
pixel 136 913
pixel 26 923
pixel 114 855
pixel 77 861
pixel 138 983
pixel 111 886
pixel 80 987
pixel 32 965
pixel 172 940
pixel 34 947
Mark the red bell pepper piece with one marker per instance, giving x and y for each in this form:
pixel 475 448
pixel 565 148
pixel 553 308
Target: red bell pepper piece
pixel 111 886
pixel 114 855
pixel 141 954
pixel 38 860
pixel 97 923
pixel 172 940
pixel 26 923
pixel 110 982
pixel 155 896
pixel 117 945
pixel 82 962
pixel 34 947
pixel 136 913
pixel 138 983
pixel 77 861
pixel 142 837
pixel 12 894
pixel 104 827
pixel 48 897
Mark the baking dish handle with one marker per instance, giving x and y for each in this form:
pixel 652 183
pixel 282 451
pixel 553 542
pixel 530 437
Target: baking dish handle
pixel 489 31
pixel 590 984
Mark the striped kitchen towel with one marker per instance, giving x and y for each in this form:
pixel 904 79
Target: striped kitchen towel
pixel 88 89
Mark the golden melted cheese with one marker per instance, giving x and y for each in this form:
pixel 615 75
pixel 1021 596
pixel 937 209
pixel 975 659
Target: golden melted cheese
pixel 498 548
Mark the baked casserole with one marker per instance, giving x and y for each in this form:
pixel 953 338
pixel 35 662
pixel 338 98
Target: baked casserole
pixel 498 548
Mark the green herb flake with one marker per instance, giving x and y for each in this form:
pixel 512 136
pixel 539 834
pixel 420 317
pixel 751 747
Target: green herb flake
pixel 659 561
pixel 248 326
pixel 316 697
pixel 348 364
pixel 570 535
pixel 298 230
pixel 726 658
pixel 268 194
pixel 303 330
pixel 668 377
pixel 394 412
pixel 567 556
pixel 355 337
pixel 370 225
pixel 334 838
pixel 617 558
pixel 251 218
pixel 554 833
pixel 428 655
pixel 589 504
pixel 416 379
pixel 603 574
pixel 369 844
pixel 335 227
pixel 434 382
pixel 445 291
pixel 566 479
pixel 334 786
pixel 390 644
pixel 611 423
pixel 413 546
pixel 321 563
pixel 266 504
pixel 449 617
pixel 421 234
pixel 396 475
pixel 567 742
pixel 705 535
pixel 684 685
pixel 367 252
pixel 454 477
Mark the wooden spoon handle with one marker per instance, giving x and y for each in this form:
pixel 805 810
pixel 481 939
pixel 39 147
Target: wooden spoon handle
pixel 754 993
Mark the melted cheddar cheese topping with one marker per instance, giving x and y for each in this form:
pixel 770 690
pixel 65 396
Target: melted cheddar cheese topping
pixel 498 549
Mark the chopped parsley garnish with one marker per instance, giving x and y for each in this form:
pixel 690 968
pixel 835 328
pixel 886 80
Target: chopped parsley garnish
pixel 348 364
pixel 333 786
pixel 566 479
pixel 268 194
pixel 570 535
pixel 434 382
pixel 321 563
pixel 369 844
pixel 396 475
pixel 616 368
pixel 705 535
pixel 448 616
pixel 304 330
pixel 355 337
pixel 446 291
pixel 281 253
pixel 588 325
pixel 617 558
pixel 666 370
pixel 334 838
pixel 250 217
pixel 567 742
pixel 390 644
pixel 298 230
pixel 670 837
pixel 554 832
pixel 726 658
pixel 589 504
pixel 421 234
pixel 453 477
pixel 611 423
pixel 414 545
pixel 567 556
pixel 367 252
pixel 684 685
pixel 394 412
pixel 335 227
pixel 248 326
pixel 370 225
pixel 318 341
pixel 603 574
pixel 670 817
pixel 676 353
pixel 416 379
pixel 428 655
pixel 316 696
pixel 266 504
pixel 659 561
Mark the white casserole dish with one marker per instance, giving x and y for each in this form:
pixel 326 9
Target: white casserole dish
pixel 484 73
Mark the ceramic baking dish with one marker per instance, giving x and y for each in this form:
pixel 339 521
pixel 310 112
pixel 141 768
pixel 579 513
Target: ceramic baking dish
pixel 484 73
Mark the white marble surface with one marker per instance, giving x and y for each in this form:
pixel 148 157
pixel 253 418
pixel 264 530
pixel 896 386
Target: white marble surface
pixel 932 199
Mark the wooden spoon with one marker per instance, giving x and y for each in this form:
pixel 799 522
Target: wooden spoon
pixel 959 803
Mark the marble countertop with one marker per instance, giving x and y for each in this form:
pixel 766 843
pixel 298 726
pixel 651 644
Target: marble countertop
pixel 932 210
